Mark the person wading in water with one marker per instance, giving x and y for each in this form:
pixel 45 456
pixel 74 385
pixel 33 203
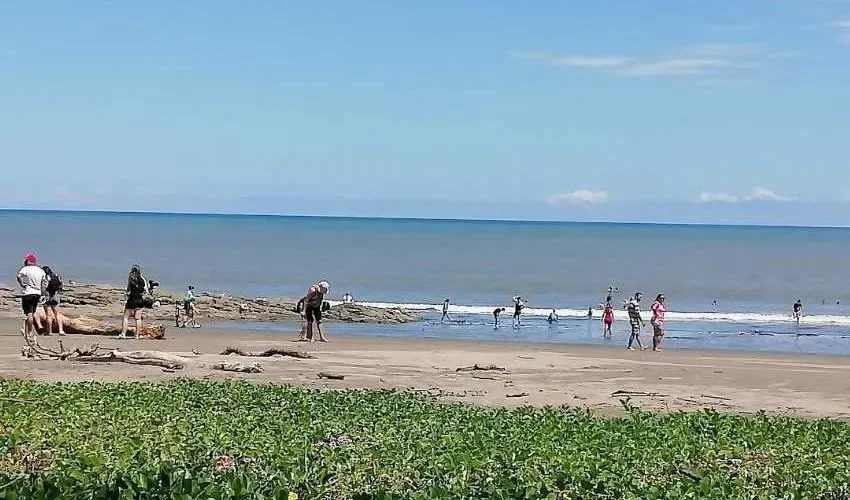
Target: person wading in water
pixel 635 321
pixel 657 321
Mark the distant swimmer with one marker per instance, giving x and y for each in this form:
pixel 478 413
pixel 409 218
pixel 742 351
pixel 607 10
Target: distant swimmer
pixel 553 317
pixel 589 313
pixel 635 321
pixel 519 305
pixel 714 303
pixel 347 298
pixel 798 311
pixel 608 321
pixel 496 313
pixel 445 317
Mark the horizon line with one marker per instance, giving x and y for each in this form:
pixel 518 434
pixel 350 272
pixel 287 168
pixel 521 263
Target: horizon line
pixel 422 219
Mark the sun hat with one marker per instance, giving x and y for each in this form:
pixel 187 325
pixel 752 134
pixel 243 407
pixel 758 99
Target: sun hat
pixel 30 258
pixel 324 285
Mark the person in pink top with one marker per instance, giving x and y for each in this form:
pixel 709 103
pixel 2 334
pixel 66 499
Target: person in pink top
pixel 657 321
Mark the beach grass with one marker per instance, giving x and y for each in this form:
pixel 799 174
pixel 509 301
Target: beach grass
pixel 199 439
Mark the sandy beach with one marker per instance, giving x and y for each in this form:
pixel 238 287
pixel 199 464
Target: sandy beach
pixel 805 385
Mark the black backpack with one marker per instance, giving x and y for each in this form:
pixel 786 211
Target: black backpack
pixel 54 285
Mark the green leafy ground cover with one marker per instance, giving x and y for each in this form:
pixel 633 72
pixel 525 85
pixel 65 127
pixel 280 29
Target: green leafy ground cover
pixel 194 439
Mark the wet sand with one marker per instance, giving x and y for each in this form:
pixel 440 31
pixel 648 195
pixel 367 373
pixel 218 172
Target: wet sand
pixel 588 376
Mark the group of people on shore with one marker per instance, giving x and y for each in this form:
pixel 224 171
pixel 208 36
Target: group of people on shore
pixel 632 306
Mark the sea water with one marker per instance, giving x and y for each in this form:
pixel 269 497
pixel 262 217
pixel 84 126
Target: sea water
pixel 753 273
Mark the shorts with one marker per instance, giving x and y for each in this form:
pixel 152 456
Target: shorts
pixel 608 322
pixel 134 303
pixel 29 303
pixel 52 300
pixel 187 307
pixel 635 328
pixel 657 329
pixel 314 314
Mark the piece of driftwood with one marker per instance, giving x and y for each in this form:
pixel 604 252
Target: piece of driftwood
pixel 638 393
pixel 484 377
pixel 153 358
pixel 83 325
pixel 268 353
pixel 517 395
pixel 227 366
pixel 331 376
pixel 34 349
pixel 477 367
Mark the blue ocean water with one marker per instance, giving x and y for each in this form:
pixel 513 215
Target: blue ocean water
pixel 754 273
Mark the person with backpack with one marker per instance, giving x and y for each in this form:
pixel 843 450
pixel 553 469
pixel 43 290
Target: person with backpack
pixel 136 289
pixel 30 278
pixel 51 286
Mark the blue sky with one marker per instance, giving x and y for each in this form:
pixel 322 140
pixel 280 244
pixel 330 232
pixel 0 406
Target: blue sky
pixel 679 110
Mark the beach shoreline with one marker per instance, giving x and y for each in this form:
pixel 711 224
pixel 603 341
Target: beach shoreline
pixel 594 377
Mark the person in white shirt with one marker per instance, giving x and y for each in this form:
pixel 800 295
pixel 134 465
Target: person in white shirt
pixel 30 278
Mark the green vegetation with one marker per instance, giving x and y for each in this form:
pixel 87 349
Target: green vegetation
pixel 239 440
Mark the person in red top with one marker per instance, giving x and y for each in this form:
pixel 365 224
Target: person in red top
pixel 658 311
pixel 607 320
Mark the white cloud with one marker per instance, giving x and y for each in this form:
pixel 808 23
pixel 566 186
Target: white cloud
pixel 720 60
pixel 579 197
pixel 717 198
pixel 756 194
pixel 764 194
pixel 843 28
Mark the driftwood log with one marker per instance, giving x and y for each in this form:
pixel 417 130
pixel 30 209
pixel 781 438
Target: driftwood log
pixel 475 368
pixel 268 353
pixel 238 367
pixel 84 325
pixel 331 376
pixel 35 350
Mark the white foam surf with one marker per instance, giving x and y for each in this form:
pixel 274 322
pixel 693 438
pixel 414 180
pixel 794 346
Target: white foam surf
pixel 620 314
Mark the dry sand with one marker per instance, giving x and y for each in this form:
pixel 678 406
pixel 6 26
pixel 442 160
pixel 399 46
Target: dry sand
pixel 587 376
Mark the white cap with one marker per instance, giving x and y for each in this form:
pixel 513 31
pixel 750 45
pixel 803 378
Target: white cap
pixel 324 285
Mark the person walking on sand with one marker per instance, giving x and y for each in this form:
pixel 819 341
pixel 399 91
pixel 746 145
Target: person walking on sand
pixel 30 278
pixel 657 322
pixel 607 321
pixel 496 313
pixel 313 309
pixel 553 317
pixel 635 321
pixel 136 289
pixel 189 308
pixel 445 317
pixel 51 286
pixel 519 305
pixel 798 311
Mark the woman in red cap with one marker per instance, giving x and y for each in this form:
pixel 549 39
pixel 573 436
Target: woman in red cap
pixel 29 278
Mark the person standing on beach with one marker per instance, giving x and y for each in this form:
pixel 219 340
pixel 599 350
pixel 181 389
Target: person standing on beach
pixel 189 308
pixel 657 322
pixel 496 312
pixel 313 309
pixel 136 289
pixel 445 317
pixel 51 286
pixel 519 305
pixel 607 321
pixel 635 321
pixel 30 278
pixel 798 311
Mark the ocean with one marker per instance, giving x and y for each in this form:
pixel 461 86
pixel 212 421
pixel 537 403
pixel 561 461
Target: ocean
pixel 753 273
